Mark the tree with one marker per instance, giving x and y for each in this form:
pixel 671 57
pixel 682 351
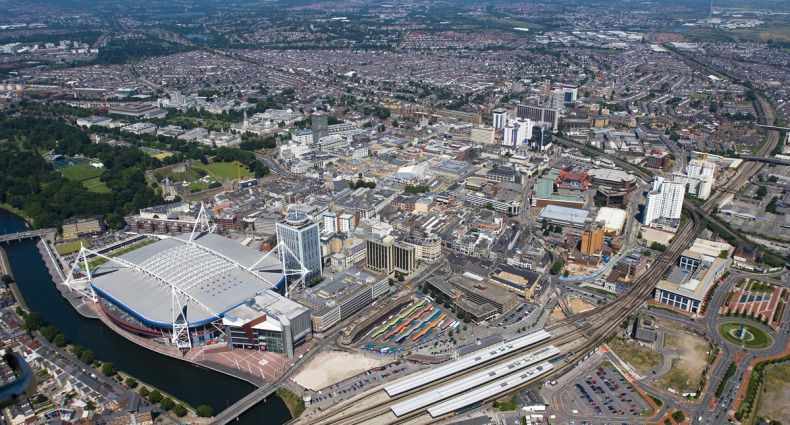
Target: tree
pixel 109 369
pixel 658 247
pixel 49 332
pixel 167 404
pixel 154 396
pixel 180 410
pixel 7 280
pixel 130 382
pixel 204 411
pixel 88 357
pixel 59 340
pixel 762 191
pixel 489 206
pixel 143 392
pixel 32 321
pixel 556 267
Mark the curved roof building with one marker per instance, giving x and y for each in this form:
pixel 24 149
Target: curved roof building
pixel 211 275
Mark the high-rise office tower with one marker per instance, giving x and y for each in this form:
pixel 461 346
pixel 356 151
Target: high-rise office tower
pixel 557 99
pixel 500 118
pixel 301 236
pixel 664 201
pixel 320 126
pixel 517 132
pixel 541 139
pixel 571 94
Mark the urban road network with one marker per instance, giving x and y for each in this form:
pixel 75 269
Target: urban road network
pixel 577 336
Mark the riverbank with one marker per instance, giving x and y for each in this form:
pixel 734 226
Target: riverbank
pixel 5 268
pixel 93 311
pixel 39 282
pixel 293 402
pixel 17 212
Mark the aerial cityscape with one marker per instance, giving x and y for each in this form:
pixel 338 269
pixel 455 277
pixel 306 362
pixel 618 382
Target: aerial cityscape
pixel 417 212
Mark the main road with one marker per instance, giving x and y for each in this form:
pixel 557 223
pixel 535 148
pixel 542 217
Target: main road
pixel 576 340
pixel 373 405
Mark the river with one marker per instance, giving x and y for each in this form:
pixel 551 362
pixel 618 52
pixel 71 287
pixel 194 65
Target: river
pixel 194 385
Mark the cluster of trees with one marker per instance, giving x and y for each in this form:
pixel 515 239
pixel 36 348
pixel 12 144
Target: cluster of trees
pixel 727 375
pixel 167 404
pixel 361 183
pixel 30 184
pixel 771 207
pixel 656 246
pixel 556 267
pixel 506 406
pixel 123 50
pixel 741 116
pixel 380 112
pixel 417 189
pixel 256 143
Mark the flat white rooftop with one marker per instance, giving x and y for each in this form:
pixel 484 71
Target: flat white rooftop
pixel 450 368
pixel 448 390
pixel 489 390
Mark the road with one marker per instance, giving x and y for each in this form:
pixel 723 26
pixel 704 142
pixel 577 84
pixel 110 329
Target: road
pixel 374 404
pixel 260 394
pixel 27 234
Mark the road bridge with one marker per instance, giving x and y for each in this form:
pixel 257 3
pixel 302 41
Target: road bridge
pixel 27 234
pixel 767 159
pixel 247 402
pixel 773 127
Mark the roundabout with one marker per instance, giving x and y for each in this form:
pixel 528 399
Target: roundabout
pixel 749 336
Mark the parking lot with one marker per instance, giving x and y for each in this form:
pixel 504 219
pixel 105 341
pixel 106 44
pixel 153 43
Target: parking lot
pixel 603 392
pixel 352 386
pixel 517 316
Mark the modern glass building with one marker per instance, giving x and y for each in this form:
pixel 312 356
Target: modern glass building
pixel 302 237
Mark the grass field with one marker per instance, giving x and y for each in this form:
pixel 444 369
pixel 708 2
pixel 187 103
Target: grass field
pixel 87 175
pixel 760 338
pixel 687 368
pixel 96 185
pixel 699 96
pixel 773 400
pixel 223 171
pixel 69 247
pixel 99 261
pixel 641 358
pixel 81 172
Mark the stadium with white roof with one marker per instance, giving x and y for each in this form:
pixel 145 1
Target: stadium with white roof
pixel 193 289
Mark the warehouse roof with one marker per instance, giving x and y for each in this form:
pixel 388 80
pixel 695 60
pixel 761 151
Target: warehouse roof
pixel 574 216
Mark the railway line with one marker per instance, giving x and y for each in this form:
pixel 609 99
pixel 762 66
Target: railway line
pixel 374 406
pixel 592 326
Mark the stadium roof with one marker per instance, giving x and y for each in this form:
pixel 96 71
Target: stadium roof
pixel 211 273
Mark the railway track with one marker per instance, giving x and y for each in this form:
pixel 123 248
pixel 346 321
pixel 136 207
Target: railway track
pixel 602 321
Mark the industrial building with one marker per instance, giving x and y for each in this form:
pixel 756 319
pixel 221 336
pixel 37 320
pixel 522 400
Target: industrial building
pixel 613 219
pixel 564 216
